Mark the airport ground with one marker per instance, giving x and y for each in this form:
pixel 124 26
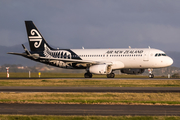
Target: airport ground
pixel 68 75
pixel 149 102
pixel 75 117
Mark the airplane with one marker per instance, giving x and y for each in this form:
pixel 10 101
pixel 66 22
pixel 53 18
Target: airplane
pixel 94 61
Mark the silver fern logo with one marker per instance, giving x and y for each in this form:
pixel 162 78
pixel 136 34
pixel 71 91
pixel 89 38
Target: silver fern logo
pixel 37 38
pixel 56 53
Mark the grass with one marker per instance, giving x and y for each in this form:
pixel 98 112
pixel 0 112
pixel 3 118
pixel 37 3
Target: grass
pixel 90 82
pixel 67 75
pixel 50 117
pixel 92 98
pixel 88 98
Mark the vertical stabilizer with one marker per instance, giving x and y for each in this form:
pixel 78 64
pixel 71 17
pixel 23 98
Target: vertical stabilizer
pixel 36 40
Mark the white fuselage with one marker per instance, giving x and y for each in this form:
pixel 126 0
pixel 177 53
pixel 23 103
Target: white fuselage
pixel 126 58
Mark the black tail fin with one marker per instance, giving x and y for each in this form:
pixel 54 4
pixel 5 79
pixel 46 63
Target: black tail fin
pixel 36 40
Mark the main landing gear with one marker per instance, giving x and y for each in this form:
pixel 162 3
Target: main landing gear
pixel 111 75
pixel 88 75
pixel 151 75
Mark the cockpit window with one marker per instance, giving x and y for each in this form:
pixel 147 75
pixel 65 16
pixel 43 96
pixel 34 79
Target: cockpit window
pixel 160 54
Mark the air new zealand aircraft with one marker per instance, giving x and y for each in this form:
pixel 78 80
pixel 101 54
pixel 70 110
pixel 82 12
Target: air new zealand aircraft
pixel 94 61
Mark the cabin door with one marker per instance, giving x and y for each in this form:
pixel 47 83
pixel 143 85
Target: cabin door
pixel 146 55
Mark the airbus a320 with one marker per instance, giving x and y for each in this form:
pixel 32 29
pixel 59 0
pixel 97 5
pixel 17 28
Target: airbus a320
pixel 94 61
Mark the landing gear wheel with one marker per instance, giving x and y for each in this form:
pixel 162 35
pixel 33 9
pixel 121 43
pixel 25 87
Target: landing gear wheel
pixel 88 75
pixel 151 75
pixel 111 75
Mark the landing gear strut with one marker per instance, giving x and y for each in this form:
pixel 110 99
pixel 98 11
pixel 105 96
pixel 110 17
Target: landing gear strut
pixel 111 75
pixel 88 75
pixel 151 75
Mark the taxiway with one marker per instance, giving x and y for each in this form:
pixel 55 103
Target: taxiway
pixel 90 89
pixel 84 109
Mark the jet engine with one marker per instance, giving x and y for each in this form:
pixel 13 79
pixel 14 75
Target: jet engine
pixel 100 69
pixel 133 71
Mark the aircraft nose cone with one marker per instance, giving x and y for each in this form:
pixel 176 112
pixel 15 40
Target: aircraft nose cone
pixel 169 61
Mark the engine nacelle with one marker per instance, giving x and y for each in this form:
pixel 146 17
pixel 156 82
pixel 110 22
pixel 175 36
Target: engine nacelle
pixel 100 69
pixel 132 71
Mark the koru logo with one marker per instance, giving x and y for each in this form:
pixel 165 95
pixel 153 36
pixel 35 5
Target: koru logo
pixel 37 38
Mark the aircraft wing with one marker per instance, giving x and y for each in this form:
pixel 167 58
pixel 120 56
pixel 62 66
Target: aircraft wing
pixel 74 60
pixel 65 60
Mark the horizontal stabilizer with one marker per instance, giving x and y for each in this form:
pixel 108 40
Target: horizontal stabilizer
pixel 22 54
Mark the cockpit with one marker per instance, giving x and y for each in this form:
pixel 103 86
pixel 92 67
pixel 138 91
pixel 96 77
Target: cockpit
pixel 160 54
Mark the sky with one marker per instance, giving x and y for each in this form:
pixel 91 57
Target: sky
pixel 94 23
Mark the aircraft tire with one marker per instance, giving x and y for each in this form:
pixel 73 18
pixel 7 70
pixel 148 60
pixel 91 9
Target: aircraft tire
pixel 88 75
pixel 111 75
pixel 151 75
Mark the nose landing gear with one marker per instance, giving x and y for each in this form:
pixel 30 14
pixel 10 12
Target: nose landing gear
pixel 151 75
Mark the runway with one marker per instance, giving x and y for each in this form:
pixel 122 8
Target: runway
pixel 91 89
pixel 83 109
